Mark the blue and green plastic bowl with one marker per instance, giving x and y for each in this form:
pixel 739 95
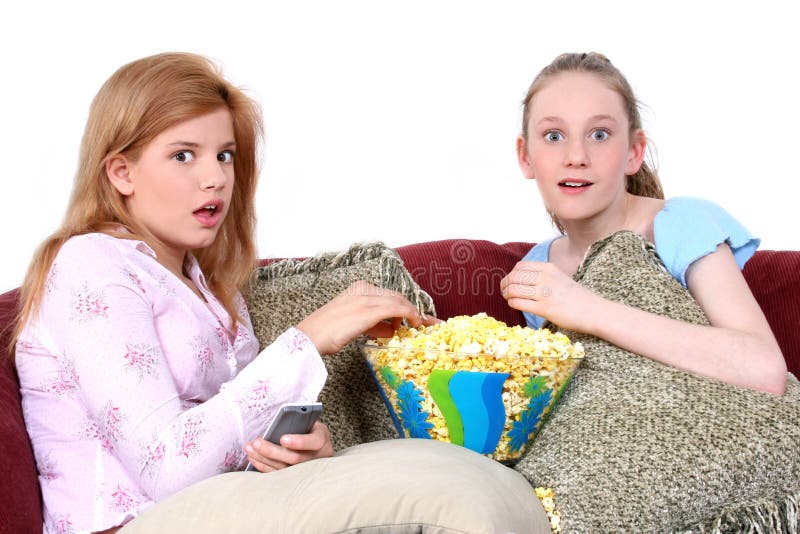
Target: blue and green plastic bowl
pixel 486 410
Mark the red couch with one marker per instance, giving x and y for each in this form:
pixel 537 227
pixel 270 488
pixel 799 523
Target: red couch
pixel 462 276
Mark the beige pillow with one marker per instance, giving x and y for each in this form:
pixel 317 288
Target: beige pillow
pixel 285 292
pixel 394 486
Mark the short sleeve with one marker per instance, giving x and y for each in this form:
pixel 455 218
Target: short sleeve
pixel 687 229
pixel 540 252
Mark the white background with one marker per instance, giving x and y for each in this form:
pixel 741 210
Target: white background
pixel 396 121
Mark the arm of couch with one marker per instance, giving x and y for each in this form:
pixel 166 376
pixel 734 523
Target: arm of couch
pixel 20 498
pixel 774 279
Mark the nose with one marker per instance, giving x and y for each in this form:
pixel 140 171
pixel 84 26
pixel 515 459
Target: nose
pixel 576 155
pixel 213 176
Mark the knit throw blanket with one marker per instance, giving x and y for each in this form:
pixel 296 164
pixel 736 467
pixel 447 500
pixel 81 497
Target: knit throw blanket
pixel 637 446
pixel 285 292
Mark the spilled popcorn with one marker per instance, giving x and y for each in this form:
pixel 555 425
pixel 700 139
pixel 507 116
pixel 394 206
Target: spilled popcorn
pixel 517 374
pixel 548 498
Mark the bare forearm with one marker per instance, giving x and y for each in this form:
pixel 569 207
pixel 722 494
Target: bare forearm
pixel 732 356
pixel 738 349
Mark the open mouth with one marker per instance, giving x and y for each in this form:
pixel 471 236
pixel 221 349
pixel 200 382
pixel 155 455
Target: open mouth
pixel 575 184
pixel 210 209
pixel 209 214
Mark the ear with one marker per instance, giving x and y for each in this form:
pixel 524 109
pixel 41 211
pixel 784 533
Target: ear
pixel 118 170
pixel 636 152
pixel 524 159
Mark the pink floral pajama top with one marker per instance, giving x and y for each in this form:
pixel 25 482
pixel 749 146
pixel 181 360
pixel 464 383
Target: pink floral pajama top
pixel 133 387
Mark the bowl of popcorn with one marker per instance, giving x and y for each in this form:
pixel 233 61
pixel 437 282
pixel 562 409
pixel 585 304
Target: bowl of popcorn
pixel 473 381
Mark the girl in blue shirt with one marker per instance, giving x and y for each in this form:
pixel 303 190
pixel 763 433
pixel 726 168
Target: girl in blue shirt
pixel 583 143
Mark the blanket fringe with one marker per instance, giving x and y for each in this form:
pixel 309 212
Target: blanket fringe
pixel 766 517
pixel 391 270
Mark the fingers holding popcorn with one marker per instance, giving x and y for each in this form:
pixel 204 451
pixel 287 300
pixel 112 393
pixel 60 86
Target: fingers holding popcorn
pixel 361 309
pixel 528 283
pixel 543 289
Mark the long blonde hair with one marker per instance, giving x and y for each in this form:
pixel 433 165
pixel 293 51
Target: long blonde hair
pixel 138 102
pixel 645 181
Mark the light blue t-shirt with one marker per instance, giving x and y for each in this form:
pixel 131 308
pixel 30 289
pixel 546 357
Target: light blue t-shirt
pixel 685 230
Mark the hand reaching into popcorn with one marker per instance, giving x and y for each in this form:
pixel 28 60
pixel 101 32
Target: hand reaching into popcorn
pixel 545 290
pixel 361 309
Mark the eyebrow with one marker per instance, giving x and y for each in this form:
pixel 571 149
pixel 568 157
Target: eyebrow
pixel 594 118
pixel 196 145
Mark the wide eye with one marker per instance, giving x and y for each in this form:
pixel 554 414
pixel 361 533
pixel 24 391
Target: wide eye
pixel 553 137
pixel 184 156
pixel 225 157
pixel 600 135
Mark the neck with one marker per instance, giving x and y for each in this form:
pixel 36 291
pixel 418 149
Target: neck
pixel 171 258
pixel 582 233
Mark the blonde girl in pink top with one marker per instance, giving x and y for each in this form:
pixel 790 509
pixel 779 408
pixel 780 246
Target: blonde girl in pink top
pixel 140 373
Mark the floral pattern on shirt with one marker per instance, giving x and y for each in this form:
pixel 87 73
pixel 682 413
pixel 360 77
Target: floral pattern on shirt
pixel 165 286
pixel 234 459
pixel 105 428
pixel 88 304
pixel 65 382
pixel 124 499
pixel 50 282
pixel 204 355
pixel 222 337
pixel 189 436
pixel 298 342
pixel 242 335
pixel 62 525
pixel 131 275
pixel 155 454
pixel 259 398
pixel 47 468
pixel 123 391
pixel 141 359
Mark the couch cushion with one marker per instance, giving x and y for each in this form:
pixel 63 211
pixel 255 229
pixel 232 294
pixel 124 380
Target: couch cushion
pixel 285 292
pixel 397 486
pixel 20 498
pixel 774 278
pixel 463 276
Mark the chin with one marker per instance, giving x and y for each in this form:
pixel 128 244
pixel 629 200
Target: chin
pixel 575 216
pixel 205 244
pixel 205 241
